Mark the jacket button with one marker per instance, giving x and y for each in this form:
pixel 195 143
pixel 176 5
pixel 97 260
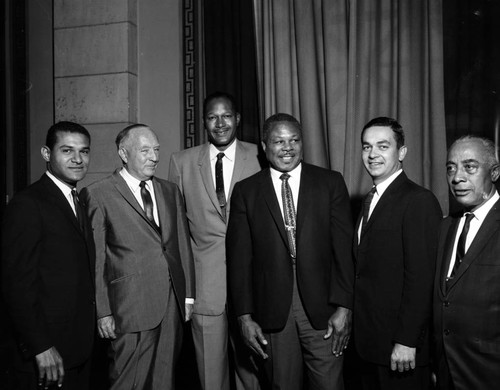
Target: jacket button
pixel 446 332
pixel 357 276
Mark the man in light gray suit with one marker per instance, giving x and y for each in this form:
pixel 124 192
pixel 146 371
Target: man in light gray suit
pixel 144 264
pixel 206 176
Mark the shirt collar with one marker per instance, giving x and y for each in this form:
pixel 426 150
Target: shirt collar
pixel 133 182
pixel 230 152
pixel 294 173
pixel 381 187
pixel 65 188
pixel 483 211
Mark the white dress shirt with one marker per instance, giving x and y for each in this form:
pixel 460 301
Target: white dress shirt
pixel 133 184
pixel 227 165
pixel 293 182
pixel 475 223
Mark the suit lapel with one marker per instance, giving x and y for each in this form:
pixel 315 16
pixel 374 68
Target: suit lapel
pixel 239 166
pixel 385 201
pixel 59 200
pixel 445 252
pixel 267 191
pixel 124 190
pixel 306 197
pixel 489 226
pixel 206 177
pixel 161 202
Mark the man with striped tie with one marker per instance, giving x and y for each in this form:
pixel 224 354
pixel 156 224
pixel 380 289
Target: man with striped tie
pixel 290 266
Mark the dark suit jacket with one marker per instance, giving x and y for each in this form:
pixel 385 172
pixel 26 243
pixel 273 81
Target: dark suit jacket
pixel 48 268
pixel 134 263
pixel 467 314
pixel 395 263
pixel 259 265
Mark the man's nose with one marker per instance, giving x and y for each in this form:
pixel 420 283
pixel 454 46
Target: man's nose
pixel 220 122
pixel 77 158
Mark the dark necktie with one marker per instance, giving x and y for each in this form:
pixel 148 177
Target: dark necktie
pixel 80 215
pixel 461 244
pixel 148 203
pixel 366 207
pixel 289 211
pixel 219 183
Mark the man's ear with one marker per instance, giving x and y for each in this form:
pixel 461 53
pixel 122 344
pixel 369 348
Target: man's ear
pixel 123 155
pixel 402 153
pixel 45 152
pixel 495 172
pixel 238 117
pixel 263 145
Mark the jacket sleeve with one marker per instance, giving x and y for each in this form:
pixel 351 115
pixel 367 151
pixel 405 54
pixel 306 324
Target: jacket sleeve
pixel 239 256
pixel 341 230
pixel 97 218
pixel 420 232
pixel 185 245
pixel 22 245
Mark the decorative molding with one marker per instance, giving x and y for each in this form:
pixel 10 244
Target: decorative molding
pixel 190 44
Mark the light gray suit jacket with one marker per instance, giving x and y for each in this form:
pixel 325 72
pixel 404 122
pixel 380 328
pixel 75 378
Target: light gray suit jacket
pixel 191 170
pixel 134 263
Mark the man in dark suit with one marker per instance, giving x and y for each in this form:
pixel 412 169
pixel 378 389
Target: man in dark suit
pixel 290 268
pixel 467 284
pixel 395 248
pixel 195 171
pixel 144 264
pixel 48 268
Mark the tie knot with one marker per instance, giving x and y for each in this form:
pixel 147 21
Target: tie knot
pixel 220 156
pixel 142 184
pixel 285 176
pixel 373 190
pixel 468 217
pixel 74 192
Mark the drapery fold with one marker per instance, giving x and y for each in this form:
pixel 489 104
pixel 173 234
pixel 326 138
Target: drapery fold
pixel 336 64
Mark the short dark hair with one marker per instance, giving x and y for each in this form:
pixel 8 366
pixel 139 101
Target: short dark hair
pixel 277 118
pixel 64 127
pixel 384 121
pixel 219 95
pixel 122 135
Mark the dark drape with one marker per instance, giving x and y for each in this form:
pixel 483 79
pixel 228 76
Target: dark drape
pixel 471 29
pixel 229 53
pixel 472 67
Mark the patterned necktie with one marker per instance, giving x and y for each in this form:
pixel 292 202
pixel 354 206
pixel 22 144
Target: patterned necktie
pixel 219 183
pixel 461 244
pixel 366 207
pixel 148 203
pixel 289 211
pixel 80 215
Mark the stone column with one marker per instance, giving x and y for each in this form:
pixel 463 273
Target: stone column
pixel 95 72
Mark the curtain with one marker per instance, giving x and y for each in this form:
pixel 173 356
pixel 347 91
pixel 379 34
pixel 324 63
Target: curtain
pixel 229 59
pixel 336 64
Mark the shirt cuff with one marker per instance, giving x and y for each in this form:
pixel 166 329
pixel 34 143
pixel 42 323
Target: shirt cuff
pixel 190 301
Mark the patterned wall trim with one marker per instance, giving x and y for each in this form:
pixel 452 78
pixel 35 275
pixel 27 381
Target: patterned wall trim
pixel 190 73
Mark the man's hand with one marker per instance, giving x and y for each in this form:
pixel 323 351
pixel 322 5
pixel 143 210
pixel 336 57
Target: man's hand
pixel 339 325
pixel 106 327
pixel 403 358
pixel 252 335
pixel 189 311
pixel 50 368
